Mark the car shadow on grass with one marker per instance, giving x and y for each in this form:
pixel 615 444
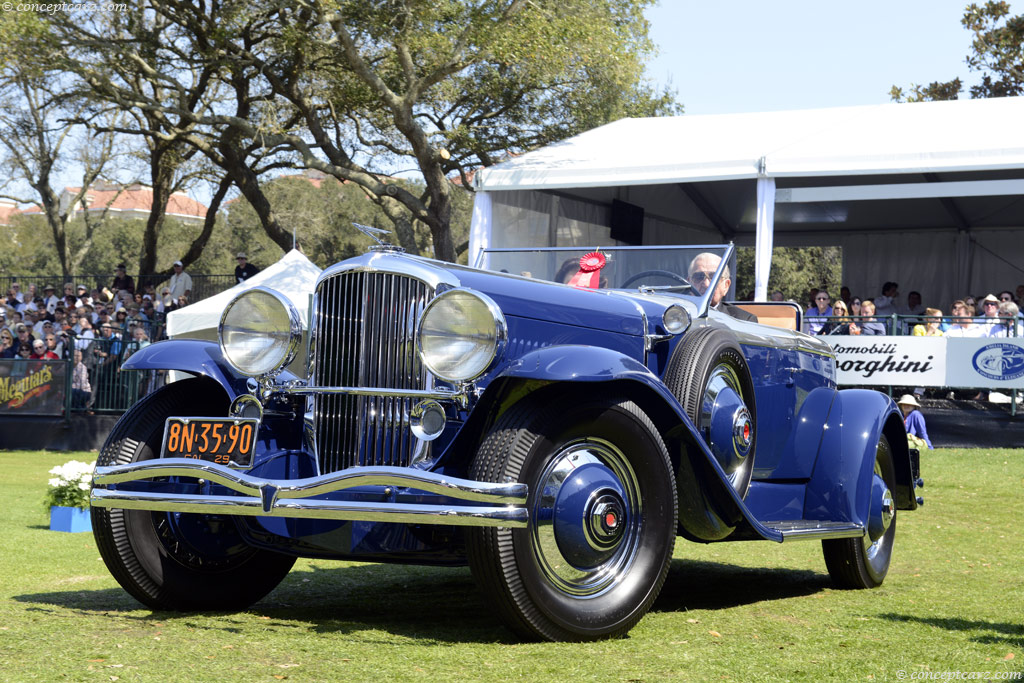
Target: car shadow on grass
pixel 986 632
pixel 398 600
pixel 393 600
pixel 693 584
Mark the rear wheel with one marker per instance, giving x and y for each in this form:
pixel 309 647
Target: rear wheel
pixel 602 519
pixel 864 562
pixel 178 561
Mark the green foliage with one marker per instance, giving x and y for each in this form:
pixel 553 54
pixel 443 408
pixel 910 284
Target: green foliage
pixel 322 218
pixel 997 52
pixel 795 270
pixel 117 240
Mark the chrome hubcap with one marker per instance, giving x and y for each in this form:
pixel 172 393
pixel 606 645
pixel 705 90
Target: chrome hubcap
pixel 726 424
pixel 883 510
pixel 586 518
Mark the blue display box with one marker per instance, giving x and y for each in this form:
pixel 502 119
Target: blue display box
pixel 72 520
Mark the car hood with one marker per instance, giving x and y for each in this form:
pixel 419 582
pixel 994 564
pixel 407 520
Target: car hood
pixel 541 300
pixel 617 311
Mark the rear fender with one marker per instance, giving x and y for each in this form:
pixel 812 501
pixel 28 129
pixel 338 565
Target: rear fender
pixel 840 487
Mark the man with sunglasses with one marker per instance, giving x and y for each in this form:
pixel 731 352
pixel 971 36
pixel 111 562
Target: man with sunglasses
pixel 817 316
pixel 702 271
pixel 990 321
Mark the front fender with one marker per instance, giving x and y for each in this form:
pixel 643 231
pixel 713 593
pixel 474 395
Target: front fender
pixel 575 363
pixel 709 508
pixel 194 356
pixel 840 488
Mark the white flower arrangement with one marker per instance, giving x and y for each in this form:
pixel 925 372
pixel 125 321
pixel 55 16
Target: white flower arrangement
pixel 70 485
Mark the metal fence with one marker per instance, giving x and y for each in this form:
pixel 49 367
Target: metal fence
pixel 904 324
pixel 203 286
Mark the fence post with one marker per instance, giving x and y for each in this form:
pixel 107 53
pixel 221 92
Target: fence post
pixel 69 372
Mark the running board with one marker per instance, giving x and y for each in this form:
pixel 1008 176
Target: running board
pixel 815 530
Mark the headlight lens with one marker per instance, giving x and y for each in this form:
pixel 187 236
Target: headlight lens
pixel 260 332
pixel 461 333
pixel 675 319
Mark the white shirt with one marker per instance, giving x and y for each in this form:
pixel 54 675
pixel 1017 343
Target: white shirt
pixel 971 332
pixel 884 306
pixel 179 284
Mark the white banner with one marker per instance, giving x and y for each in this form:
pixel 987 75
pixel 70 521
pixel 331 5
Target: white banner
pixel 881 361
pixel 992 363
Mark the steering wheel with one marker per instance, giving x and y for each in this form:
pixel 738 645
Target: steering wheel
pixel 663 273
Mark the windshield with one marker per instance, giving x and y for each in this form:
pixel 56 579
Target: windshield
pixel 687 270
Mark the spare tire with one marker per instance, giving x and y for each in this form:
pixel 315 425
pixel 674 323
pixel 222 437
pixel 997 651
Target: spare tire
pixel 709 375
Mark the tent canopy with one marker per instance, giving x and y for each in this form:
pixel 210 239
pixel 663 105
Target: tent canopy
pixel 926 194
pixel 293 275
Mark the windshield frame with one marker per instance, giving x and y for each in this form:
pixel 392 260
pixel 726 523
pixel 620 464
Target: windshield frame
pixel 704 304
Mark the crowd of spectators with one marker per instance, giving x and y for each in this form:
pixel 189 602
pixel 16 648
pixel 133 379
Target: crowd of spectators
pixel 988 316
pixel 96 329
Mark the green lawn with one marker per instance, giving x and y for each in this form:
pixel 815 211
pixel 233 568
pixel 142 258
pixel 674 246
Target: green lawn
pixel 953 601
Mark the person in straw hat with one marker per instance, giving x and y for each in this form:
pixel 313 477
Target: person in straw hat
pixel 913 420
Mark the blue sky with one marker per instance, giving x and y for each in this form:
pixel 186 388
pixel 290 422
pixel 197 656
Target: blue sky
pixel 756 55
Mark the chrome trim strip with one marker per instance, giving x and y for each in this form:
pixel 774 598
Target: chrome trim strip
pixel 462 489
pixel 374 391
pixel 803 530
pixel 509 517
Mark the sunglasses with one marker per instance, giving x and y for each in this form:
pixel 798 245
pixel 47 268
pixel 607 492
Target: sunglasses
pixel 821 298
pixel 991 303
pixel 1005 298
pixel 699 277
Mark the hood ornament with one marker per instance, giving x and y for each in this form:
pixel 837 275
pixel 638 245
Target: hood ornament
pixel 375 235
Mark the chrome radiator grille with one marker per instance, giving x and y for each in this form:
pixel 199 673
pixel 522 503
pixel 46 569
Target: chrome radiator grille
pixel 364 336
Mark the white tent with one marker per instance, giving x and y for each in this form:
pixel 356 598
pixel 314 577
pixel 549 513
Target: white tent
pixel 927 194
pixel 294 276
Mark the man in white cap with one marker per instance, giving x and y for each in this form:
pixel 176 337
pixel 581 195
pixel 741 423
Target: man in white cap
pixel 180 283
pixel 50 298
pixel 991 322
pixel 244 270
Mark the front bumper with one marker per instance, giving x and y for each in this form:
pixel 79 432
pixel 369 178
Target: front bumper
pixel 461 502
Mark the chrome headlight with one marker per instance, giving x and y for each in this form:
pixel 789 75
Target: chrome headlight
pixel 461 333
pixel 260 332
pixel 675 319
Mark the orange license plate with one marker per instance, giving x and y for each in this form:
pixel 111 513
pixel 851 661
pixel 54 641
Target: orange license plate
pixel 225 441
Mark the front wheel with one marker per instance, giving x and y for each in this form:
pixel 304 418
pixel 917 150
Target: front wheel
pixel 864 562
pixel 176 561
pixel 602 508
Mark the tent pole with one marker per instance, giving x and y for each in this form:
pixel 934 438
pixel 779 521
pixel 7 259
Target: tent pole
pixel 765 233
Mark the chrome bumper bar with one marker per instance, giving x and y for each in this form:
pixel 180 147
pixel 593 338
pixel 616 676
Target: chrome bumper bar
pixel 489 505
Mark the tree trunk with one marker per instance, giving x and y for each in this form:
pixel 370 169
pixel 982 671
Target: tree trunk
pixel 162 177
pixel 248 183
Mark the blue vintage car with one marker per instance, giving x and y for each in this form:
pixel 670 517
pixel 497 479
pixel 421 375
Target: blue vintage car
pixel 555 419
